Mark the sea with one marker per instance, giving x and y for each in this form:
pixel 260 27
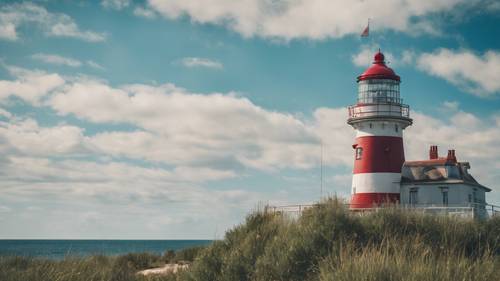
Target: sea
pixel 58 249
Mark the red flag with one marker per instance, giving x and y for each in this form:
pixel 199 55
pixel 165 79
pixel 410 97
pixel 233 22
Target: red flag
pixel 366 32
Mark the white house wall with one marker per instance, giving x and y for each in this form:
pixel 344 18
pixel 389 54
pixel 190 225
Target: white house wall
pixel 458 194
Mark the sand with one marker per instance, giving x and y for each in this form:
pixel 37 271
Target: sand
pixel 168 268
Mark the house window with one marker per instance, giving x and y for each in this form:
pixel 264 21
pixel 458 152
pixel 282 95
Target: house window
pixel 396 127
pixel 470 198
pixel 413 196
pixel 359 153
pixel 444 192
pixel 474 195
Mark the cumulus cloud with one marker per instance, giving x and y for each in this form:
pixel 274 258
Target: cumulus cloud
pixel 12 16
pixel 192 62
pixel 56 59
pixel 179 127
pixel 312 19
pixel 30 85
pixel 26 137
pixel 476 74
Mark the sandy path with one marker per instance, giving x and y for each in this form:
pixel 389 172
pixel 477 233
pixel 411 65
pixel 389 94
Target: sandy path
pixel 168 268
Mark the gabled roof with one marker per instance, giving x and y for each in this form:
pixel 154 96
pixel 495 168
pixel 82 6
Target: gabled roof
pixel 438 171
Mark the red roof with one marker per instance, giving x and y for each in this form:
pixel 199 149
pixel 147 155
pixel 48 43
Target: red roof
pixel 379 70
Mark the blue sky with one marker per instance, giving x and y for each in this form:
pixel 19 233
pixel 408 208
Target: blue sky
pixel 173 119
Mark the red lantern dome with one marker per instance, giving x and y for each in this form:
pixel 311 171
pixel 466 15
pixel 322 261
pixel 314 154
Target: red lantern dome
pixel 379 70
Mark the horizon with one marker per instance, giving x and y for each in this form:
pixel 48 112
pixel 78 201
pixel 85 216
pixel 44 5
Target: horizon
pixel 168 120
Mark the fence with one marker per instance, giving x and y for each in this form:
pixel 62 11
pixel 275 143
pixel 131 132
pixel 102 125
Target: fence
pixel 473 210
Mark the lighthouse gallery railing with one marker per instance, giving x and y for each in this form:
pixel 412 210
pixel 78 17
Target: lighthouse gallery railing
pixel 379 109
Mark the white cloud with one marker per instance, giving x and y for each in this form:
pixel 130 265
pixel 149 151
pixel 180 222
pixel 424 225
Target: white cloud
pixel 115 4
pixel 95 65
pixel 30 85
pixel 26 137
pixel 5 113
pixel 145 12
pixel 451 106
pixel 12 16
pixel 337 137
pixel 201 62
pixel 60 60
pixel 178 127
pixel 473 73
pixel 45 170
pixel 56 59
pixel 312 19
pixel 8 31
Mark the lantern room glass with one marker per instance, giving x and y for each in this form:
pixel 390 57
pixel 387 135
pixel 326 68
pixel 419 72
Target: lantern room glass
pixel 378 91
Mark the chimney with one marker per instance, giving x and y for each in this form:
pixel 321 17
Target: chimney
pixel 451 156
pixel 433 152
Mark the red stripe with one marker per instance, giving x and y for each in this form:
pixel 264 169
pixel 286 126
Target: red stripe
pixel 381 154
pixel 370 200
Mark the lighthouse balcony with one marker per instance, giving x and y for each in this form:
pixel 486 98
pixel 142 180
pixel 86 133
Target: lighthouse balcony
pixel 362 111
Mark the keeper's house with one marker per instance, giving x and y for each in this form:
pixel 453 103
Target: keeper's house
pixel 442 182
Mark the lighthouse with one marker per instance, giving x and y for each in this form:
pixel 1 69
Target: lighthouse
pixel 379 118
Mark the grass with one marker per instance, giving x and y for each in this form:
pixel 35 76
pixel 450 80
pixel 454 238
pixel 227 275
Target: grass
pixel 326 243
pixel 93 268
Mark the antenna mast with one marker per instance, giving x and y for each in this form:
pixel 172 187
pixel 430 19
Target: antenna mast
pixel 321 171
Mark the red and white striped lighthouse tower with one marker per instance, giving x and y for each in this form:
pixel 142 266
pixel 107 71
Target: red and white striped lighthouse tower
pixel 379 118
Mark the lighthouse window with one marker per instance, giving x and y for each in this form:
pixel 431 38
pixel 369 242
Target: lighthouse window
pixel 378 91
pixel 359 153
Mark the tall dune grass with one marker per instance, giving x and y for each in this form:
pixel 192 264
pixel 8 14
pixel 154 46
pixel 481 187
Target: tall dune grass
pixel 326 243
pixel 329 243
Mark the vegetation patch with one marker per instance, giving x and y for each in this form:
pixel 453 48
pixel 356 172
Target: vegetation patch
pixel 327 242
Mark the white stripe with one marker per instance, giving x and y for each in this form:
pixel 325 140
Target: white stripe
pixel 376 182
pixel 378 128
